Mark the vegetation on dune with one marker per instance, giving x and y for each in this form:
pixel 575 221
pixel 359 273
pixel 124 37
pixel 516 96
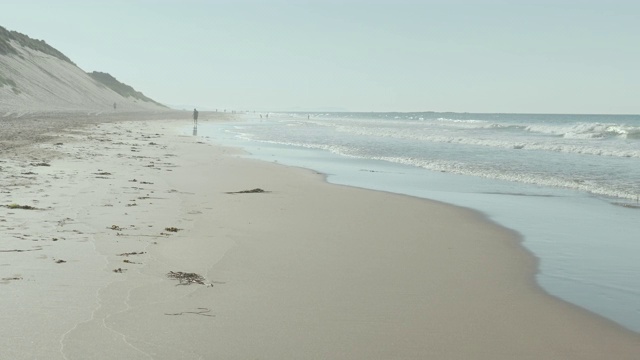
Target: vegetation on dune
pixel 8 82
pixel 120 88
pixel 39 45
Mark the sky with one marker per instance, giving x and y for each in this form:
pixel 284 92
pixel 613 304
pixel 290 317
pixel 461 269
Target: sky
pixel 496 56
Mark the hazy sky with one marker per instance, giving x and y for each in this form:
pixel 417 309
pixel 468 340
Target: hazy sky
pixel 535 56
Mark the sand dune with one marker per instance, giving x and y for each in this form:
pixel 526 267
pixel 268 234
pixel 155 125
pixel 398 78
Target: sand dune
pixel 32 81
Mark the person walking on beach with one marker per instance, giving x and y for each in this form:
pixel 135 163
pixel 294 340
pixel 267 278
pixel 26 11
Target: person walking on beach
pixel 195 117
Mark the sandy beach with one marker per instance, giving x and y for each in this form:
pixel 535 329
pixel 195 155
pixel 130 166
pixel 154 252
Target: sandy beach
pixel 128 238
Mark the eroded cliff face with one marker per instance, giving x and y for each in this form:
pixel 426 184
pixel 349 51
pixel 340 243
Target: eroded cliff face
pixel 34 79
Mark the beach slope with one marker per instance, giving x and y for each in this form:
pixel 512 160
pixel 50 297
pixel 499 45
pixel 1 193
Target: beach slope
pixel 175 248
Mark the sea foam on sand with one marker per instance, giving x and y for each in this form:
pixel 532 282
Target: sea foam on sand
pixel 303 270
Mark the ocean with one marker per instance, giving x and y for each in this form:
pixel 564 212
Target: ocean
pixel 569 184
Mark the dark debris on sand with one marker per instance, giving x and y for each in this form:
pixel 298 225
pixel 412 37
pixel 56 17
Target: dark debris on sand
pixel 186 278
pixel 23 207
pixel 252 191
pixel 132 253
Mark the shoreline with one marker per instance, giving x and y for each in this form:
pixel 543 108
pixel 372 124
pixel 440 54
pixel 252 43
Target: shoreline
pixel 564 228
pixel 307 269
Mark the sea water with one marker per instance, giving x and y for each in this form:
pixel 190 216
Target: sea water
pixel 569 184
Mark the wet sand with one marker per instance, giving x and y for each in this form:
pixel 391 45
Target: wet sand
pixel 95 218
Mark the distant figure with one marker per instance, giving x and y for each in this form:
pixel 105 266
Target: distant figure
pixel 114 106
pixel 195 117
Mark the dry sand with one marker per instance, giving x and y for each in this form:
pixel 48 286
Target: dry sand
pixel 304 270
